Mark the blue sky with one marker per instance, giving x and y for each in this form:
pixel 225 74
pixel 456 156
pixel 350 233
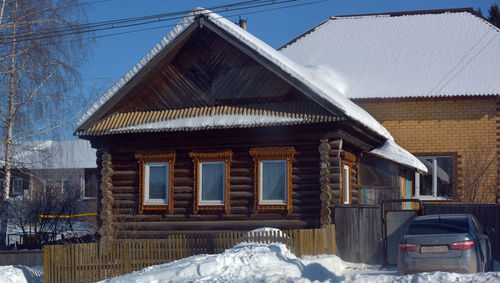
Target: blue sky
pixel 111 57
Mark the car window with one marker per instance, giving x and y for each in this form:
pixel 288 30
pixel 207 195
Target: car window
pixel 438 226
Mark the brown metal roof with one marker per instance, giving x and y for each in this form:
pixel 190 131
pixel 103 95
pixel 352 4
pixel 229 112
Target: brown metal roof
pixel 248 116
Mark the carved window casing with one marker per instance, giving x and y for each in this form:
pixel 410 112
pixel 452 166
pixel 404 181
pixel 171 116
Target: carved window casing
pixel 270 155
pixel 148 160
pixel 346 183
pixel 346 191
pixel 202 160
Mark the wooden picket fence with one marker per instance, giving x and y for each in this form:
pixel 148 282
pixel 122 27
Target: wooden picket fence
pixel 93 262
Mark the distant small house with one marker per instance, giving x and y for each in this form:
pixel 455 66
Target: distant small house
pixel 432 79
pixel 213 130
pixel 69 166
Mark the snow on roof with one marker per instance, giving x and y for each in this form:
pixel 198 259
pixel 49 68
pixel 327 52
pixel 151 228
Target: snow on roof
pixel 314 79
pixel 50 154
pixel 326 83
pixel 416 55
pixel 392 151
pixel 212 122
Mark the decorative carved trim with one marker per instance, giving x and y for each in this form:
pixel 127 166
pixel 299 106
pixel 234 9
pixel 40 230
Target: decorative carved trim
pixel 326 192
pixel 146 157
pixel 202 156
pixel 106 229
pixel 347 156
pixel 272 153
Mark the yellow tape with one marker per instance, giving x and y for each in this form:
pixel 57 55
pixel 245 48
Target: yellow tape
pixel 68 216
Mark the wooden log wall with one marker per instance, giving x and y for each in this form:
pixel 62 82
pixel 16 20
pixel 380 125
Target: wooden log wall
pixel 130 224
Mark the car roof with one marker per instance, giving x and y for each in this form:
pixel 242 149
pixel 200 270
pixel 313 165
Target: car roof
pixel 442 216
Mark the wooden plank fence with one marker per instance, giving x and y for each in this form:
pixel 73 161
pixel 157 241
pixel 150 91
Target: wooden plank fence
pixel 92 262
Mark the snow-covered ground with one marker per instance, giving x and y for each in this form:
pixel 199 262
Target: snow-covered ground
pixel 21 274
pixel 251 262
pixel 77 229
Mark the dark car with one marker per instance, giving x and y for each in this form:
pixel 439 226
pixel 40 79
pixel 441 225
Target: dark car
pixel 444 242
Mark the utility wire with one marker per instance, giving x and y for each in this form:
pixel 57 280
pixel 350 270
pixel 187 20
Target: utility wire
pixel 183 15
pixel 134 21
pixel 228 16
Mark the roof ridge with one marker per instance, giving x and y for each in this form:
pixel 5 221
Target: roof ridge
pixel 469 10
pixel 415 12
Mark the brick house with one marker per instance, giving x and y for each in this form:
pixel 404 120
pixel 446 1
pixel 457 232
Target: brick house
pixel 432 79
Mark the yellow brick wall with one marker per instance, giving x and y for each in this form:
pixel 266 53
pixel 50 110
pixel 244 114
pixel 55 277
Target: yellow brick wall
pixel 461 126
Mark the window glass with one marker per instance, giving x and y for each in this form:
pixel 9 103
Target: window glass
pixel 158 181
pixel 439 179
pixel 438 226
pixel 212 181
pixel 273 174
pixel 65 185
pixel 18 186
pixel 444 176
pixel 374 171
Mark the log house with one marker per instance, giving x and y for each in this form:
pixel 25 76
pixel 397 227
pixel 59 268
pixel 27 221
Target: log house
pixel 215 130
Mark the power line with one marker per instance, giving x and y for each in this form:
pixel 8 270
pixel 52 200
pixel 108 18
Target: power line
pixel 132 21
pixel 251 8
pixel 228 16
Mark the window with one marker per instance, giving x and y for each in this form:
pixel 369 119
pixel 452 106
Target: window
pixel 438 182
pixel 17 186
pixel 156 189
pixel 65 186
pixel 346 184
pixel 273 182
pixel 273 178
pixel 212 180
pixel 156 183
pixel 211 183
pixel 90 183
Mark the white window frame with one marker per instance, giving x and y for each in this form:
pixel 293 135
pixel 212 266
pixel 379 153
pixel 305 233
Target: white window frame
pixel 202 202
pixel 14 192
pixel 261 184
pixel 347 185
pixel 148 200
pixel 434 180
pixel 64 180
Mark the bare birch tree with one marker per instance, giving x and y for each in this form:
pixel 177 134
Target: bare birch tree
pixel 478 171
pixel 40 48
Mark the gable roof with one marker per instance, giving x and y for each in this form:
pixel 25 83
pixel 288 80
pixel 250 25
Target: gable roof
pixel 315 83
pixel 406 54
pixel 309 81
pixel 49 154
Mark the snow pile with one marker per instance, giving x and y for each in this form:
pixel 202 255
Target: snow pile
pixel 251 262
pixel 21 274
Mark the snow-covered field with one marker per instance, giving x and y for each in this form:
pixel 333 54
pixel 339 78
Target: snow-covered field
pixel 251 262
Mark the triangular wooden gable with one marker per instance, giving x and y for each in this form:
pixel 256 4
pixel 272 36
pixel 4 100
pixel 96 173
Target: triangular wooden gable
pixel 204 69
